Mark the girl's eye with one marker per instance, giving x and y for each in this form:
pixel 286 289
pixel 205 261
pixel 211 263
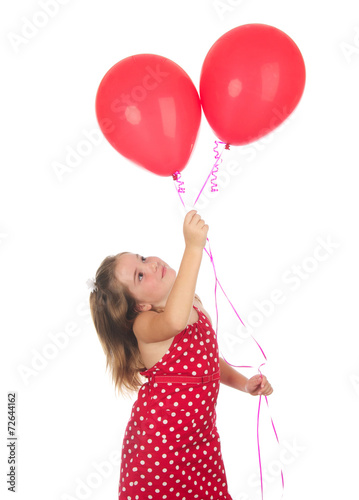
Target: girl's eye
pixel 140 275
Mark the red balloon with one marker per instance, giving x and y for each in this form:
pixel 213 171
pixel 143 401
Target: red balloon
pixel 251 80
pixel 149 111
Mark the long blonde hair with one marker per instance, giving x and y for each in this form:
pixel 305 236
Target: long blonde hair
pixel 113 311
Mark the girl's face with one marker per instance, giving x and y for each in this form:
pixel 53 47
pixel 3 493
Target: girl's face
pixel 149 279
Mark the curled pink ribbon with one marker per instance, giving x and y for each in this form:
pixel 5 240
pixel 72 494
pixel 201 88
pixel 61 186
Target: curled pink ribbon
pixel 217 157
pixel 214 169
pixel 180 185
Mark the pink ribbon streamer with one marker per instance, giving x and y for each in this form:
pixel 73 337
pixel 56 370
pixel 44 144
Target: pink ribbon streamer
pixel 180 189
pixel 180 184
pixel 237 366
pixel 214 169
pixel 217 157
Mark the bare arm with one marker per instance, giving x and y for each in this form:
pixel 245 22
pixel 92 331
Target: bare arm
pixel 156 327
pixel 180 301
pixel 256 386
pixel 232 378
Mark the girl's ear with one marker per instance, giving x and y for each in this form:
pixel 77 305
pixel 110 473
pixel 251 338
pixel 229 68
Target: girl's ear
pixel 144 307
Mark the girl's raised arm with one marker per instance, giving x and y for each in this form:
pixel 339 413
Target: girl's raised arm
pixel 156 327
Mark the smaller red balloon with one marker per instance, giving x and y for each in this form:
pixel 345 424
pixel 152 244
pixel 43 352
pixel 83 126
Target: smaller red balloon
pixel 251 80
pixel 149 111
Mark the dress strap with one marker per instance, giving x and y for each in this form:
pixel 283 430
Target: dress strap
pixel 183 378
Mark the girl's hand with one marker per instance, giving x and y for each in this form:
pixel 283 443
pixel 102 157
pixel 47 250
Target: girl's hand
pixel 259 386
pixel 195 230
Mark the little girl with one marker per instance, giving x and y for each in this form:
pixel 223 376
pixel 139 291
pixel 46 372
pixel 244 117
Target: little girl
pixel 151 324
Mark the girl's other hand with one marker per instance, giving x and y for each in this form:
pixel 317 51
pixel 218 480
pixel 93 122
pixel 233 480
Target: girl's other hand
pixel 195 230
pixel 259 386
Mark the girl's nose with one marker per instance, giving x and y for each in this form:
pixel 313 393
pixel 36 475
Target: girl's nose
pixel 154 266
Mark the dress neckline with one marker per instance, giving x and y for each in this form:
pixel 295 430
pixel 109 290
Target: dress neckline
pixel 180 333
pixel 175 338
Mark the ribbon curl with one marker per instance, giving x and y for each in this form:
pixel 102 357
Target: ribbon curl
pixel 214 169
pixel 176 176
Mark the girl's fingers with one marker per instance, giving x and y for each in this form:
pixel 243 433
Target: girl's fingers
pixel 265 387
pixel 200 220
pixel 268 390
pixel 195 219
pixel 190 215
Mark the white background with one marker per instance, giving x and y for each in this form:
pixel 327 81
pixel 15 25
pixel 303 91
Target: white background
pixel 294 190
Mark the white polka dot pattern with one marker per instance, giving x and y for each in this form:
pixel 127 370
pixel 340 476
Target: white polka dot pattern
pixel 171 448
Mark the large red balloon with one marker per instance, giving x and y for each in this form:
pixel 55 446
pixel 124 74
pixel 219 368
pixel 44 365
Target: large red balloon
pixel 251 80
pixel 149 111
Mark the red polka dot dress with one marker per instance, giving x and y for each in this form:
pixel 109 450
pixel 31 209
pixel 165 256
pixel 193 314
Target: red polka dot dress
pixel 171 448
